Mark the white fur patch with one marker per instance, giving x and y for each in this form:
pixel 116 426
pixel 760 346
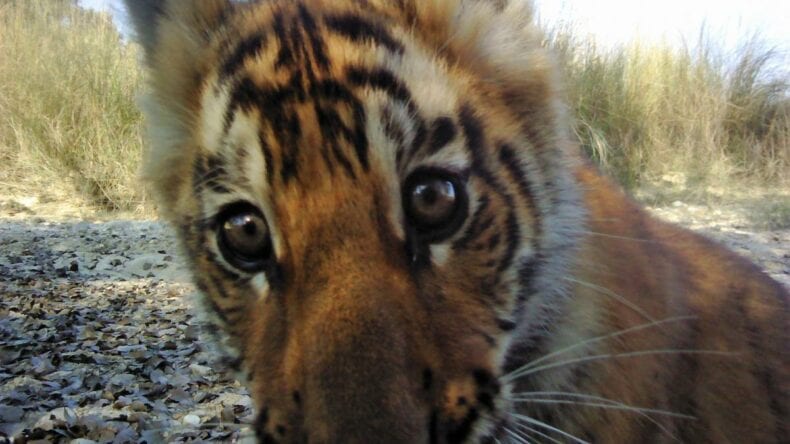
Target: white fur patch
pixel 214 105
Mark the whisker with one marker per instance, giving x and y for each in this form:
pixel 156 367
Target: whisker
pixel 516 436
pixel 602 405
pixel 528 397
pixel 626 355
pixel 609 404
pixel 533 363
pixel 529 429
pixel 543 425
pixel 613 295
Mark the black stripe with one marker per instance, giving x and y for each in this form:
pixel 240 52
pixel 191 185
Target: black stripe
pixel 420 135
pixel 210 172
pixel 392 128
pixel 251 46
pixel 527 271
pixel 332 127
pixel 216 174
pixel 361 30
pixel 198 173
pixel 272 105
pixel 475 139
pixel 442 133
pixel 512 234
pixel 267 156
pixel 395 132
pixel 476 226
pixel 215 308
pixel 381 79
pixel 332 90
pixel 317 44
pixel 289 134
pixel 508 158
pixel 285 56
pixel 506 325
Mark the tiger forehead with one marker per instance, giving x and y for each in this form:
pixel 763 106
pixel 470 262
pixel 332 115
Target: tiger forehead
pixel 319 83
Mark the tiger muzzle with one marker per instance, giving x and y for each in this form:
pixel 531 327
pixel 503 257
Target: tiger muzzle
pixel 354 371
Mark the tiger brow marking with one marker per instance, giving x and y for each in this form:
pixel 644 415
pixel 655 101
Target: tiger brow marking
pixel 332 127
pixel 357 136
pixel 360 30
pixel 272 103
pixel 381 79
pixel 443 132
pixel 384 80
pixel 210 172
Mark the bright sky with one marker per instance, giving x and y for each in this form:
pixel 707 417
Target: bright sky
pixel 726 21
pixel 617 21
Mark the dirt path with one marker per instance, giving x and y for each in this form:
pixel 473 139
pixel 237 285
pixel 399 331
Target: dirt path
pixel 97 342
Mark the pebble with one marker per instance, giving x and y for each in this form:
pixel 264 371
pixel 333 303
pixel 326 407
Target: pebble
pixel 193 420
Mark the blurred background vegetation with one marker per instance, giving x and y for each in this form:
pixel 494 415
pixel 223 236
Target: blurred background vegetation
pixel 68 116
pixel 69 121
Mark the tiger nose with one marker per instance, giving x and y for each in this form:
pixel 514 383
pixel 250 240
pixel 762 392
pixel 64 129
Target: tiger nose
pixel 362 378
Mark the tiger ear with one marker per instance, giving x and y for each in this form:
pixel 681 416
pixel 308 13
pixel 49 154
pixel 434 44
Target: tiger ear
pixel 504 45
pixel 176 37
pixel 156 20
pixel 145 15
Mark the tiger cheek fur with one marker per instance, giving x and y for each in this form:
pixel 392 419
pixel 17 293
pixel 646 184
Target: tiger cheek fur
pixel 395 240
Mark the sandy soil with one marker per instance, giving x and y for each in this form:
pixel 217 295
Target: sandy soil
pixel 97 342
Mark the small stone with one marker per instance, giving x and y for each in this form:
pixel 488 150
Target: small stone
pixel 199 370
pixel 193 420
pixel 138 406
pixel 136 417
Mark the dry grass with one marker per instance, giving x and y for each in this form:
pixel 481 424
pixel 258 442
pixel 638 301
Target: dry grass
pixel 647 110
pixel 68 118
pixel 69 123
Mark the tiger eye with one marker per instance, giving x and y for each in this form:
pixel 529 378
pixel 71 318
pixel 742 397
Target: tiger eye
pixel 435 203
pixel 244 238
pixel 432 202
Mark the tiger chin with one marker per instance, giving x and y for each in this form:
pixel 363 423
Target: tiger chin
pixel 399 242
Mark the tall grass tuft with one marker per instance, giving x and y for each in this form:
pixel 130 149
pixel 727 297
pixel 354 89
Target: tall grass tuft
pixel 643 110
pixel 68 117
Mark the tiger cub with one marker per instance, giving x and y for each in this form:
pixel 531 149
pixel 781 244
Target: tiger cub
pixel 399 242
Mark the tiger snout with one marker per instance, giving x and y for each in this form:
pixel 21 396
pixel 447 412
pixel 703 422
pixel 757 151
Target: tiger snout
pixel 363 365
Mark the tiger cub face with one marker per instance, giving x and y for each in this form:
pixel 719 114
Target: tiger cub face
pixel 375 200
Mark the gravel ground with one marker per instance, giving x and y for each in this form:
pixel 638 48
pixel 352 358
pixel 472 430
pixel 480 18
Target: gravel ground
pixel 97 342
